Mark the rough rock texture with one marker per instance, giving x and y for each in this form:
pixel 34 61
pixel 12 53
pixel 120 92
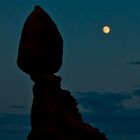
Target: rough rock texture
pixel 54 113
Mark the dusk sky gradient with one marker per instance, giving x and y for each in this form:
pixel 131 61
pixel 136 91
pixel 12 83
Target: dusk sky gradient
pixel 92 61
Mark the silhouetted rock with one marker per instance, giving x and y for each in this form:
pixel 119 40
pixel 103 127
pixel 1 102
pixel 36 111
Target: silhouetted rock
pixel 54 113
pixel 41 45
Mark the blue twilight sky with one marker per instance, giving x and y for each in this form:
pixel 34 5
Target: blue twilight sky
pixel 101 70
pixel 93 61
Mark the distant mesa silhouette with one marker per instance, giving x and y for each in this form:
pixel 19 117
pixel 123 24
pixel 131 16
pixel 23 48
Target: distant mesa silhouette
pixel 41 44
pixel 54 112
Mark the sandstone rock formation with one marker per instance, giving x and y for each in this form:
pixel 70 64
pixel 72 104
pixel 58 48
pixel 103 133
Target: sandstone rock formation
pixel 54 113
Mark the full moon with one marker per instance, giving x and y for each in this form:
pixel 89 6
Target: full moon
pixel 106 29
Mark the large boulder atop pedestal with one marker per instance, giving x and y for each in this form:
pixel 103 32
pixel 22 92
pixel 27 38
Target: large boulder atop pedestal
pixel 41 45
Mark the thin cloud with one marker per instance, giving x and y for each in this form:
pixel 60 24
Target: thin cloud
pixel 83 109
pixel 135 63
pixel 112 112
pixel 17 107
pixel 133 103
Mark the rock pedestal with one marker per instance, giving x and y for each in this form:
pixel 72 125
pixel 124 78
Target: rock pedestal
pixel 54 114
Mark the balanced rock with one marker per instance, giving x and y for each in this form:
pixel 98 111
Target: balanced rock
pixel 54 113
